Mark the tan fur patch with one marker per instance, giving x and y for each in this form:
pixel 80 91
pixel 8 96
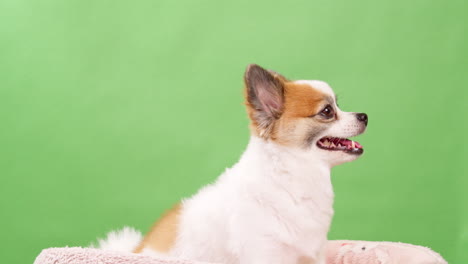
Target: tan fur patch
pixel 301 102
pixel 163 233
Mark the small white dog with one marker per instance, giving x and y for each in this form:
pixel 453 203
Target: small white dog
pixel 275 204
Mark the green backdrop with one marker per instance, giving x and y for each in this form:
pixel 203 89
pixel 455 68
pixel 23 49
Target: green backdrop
pixel 111 111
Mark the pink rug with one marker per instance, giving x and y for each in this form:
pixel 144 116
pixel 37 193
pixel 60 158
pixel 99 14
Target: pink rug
pixel 338 252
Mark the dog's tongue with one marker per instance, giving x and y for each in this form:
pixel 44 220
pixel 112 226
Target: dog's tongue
pixel 348 143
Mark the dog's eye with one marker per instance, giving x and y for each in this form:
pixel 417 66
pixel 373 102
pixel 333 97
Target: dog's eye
pixel 328 112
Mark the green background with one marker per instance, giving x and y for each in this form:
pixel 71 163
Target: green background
pixel 111 111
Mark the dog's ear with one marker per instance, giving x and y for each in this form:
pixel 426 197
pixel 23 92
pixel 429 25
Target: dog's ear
pixel 277 75
pixel 264 95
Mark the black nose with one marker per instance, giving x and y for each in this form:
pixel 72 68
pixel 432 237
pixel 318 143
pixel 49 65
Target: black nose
pixel 362 117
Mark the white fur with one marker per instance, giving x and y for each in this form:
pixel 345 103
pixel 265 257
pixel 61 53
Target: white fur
pixel 125 240
pixel 273 206
pixel 319 85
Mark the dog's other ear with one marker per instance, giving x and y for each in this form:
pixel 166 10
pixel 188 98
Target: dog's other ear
pixel 264 95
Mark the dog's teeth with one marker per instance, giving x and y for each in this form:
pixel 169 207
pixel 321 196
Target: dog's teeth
pixel 352 144
pixel 333 145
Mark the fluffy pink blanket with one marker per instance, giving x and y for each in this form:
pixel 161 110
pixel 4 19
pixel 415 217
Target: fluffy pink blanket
pixel 338 252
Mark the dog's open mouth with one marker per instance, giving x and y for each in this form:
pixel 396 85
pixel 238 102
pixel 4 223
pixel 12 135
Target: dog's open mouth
pixel 342 144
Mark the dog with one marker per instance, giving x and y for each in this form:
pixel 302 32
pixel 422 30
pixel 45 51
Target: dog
pixel 275 205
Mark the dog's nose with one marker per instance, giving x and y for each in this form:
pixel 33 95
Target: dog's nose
pixel 362 117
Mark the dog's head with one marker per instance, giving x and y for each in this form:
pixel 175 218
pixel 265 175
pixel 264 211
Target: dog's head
pixel 301 114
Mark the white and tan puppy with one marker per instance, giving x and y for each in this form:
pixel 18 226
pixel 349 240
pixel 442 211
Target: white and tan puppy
pixel 275 204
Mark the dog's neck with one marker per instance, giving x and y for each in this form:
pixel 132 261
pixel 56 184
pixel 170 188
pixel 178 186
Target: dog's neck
pixel 300 172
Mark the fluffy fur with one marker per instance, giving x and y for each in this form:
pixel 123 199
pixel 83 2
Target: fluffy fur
pixel 125 240
pixel 275 204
